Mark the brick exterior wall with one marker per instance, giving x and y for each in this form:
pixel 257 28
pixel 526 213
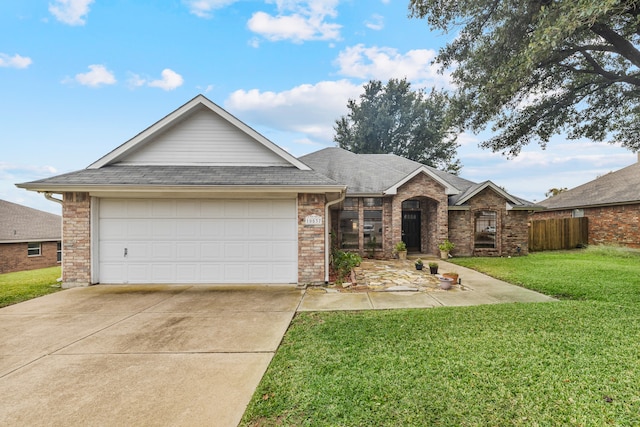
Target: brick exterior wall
pixel 311 240
pixel 76 240
pixel 512 230
pixel 608 225
pixel 434 216
pixel 13 257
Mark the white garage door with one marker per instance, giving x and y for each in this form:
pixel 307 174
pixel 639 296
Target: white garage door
pixel 197 241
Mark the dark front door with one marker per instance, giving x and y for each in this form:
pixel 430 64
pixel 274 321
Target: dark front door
pixel 411 230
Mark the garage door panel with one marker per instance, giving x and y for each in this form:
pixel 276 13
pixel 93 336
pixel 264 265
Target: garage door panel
pixel 137 209
pixel 284 230
pixel 188 272
pixel 211 251
pixel 283 209
pixel 138 229
pixel 163 209
pixel 162 273
pixel 284 272
pixel 235 209
pixel 284 250
pixel 197 241
pixel 113 229
pixel 210 229
pixel 235 229
pixel 163 251
pixel 139 272
pixel 235 251
pixel 235 273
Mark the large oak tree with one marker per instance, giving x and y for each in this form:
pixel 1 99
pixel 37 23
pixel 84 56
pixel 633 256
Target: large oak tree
pixel 535 68
pixel 395 119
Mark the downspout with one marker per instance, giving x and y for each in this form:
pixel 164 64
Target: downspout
pixel 327 232
pixel 48 196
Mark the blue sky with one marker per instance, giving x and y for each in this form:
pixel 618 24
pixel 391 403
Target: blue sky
pixel 80 77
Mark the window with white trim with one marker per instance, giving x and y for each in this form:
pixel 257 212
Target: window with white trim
pixel 34 249
pixel 59 252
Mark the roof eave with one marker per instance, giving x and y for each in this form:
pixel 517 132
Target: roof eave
pixel 53 188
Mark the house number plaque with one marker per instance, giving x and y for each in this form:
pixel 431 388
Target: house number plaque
pixel 313 220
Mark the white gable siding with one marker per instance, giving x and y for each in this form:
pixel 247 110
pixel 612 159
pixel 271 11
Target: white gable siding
pixel 204 138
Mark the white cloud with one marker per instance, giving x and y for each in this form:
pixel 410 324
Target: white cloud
pixel 298 21
pixel 97 76
pixel 383 63
pixel 169 80
pixel 15 61
pixel 72 12
pixel 307 109
pixel 375 23
pixel 203 8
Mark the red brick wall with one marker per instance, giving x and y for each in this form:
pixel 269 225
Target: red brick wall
pixel 434 213
pixel 512 227
pixel 311 240
pixel 13 257
pixel 608 225
pixel 76 238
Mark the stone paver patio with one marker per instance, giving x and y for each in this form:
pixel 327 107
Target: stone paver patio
pixel 391 275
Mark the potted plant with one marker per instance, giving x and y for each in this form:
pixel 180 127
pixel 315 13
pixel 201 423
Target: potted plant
pixel 445 282
pixel 401 250
pixel 445 247
pixel 433 267
pixel 451 275
pixel 419 264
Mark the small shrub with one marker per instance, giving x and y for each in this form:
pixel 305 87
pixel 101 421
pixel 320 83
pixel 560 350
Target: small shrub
pixel 344 262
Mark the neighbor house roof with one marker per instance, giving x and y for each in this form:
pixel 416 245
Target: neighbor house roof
pixel 22 224
pixel 615 188
pixel 382 174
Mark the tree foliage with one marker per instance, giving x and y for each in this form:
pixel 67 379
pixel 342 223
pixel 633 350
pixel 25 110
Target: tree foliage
pixel 393 118
pixel 535 68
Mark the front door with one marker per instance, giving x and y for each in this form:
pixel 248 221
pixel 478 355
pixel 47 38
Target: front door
pixel 411 230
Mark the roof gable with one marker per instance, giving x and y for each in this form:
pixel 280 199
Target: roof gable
pixel 476 189
pixel 448 188
pixel 200 133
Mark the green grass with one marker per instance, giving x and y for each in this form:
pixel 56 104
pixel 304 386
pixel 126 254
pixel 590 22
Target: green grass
pixel 25 285
pixel 574 362
pixel 598 273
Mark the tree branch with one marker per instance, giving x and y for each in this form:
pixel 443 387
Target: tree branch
pixel 621 45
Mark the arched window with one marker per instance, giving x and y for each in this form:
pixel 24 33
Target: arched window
pixel 485 229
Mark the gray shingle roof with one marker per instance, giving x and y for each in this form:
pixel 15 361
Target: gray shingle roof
pixel 370 173
pixel 376 173
pixel 22 224
pixel 129 175
pixel 619 187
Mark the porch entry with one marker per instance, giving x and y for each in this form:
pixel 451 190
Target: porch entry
pixel 411 230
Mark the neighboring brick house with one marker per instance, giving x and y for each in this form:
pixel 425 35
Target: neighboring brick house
pixel 390 198
pixel 611 202
pixel 200 197
pixel 29 238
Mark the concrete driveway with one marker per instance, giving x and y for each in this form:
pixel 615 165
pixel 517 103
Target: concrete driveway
pixel 139 355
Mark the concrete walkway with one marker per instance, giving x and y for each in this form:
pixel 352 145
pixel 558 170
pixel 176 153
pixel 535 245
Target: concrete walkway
pixel 151 355
pixel 475 289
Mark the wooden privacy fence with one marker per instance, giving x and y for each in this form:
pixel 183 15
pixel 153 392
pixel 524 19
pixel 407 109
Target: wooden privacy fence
pixel 560 233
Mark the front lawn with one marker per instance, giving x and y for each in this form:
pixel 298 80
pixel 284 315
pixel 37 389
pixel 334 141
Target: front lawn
pixel 574 362
pixel 25 285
